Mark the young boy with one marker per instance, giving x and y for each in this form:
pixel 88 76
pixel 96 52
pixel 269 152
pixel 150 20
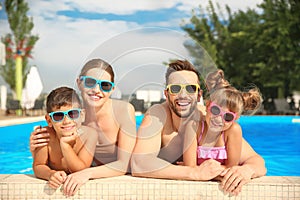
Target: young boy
pixel 71 146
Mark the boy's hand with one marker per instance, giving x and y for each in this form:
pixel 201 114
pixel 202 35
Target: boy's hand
pixel 57 179
pixel 38 138
pixel 70 139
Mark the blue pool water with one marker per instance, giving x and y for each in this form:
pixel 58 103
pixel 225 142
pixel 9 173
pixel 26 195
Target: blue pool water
pixel 276 138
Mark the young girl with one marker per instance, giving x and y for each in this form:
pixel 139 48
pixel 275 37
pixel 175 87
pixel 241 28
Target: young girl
pixel 218 136
pixel 71 146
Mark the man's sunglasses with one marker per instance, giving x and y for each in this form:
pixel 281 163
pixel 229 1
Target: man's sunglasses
pixel 176 88
pixel 90 82
pixel 217 110
pixel 58 116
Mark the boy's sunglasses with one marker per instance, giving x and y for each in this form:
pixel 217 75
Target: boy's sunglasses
pixel 58 116
pixel 176 88
pixel 90 82
pixel 216 110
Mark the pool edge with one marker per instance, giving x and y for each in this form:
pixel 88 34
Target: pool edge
pixel 22 186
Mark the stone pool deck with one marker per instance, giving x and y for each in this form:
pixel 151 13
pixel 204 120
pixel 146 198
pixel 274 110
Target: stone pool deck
pixel 21 186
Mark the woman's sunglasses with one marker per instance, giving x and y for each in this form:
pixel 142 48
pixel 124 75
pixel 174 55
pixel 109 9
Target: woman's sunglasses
pixel 176 88
pixel 90 82
pixel 58 116
pixel 216 110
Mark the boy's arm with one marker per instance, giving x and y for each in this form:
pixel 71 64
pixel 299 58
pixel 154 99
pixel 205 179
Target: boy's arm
pixel 81 155
pixel 40 160
pixel 233 145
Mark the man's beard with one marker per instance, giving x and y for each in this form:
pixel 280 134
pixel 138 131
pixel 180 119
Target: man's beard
pixel 193 106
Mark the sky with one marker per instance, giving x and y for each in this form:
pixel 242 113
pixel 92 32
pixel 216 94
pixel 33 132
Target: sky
pixel 134 36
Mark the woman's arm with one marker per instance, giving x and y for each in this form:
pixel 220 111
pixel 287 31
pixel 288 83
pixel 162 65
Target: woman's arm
pixel 126 141
pixel 38 138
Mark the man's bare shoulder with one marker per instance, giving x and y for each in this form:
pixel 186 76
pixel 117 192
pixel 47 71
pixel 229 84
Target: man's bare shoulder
pixel 161 111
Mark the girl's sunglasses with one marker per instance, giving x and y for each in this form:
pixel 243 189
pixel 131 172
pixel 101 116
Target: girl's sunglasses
pixel 58 116
pixel 90 82
pixel 216 110
pixel 176 88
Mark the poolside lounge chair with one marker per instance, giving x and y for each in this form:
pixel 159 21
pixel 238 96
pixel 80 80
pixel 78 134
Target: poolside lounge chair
pixel 282 107
pixel 12 106
pixel 138 104
pixel 38 107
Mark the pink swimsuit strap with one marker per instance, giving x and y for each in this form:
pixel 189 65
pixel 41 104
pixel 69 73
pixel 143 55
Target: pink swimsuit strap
pixel 202 131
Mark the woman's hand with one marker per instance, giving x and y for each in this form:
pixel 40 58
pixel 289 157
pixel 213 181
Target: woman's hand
pixel 57 179
pixel 235 177
pixel 74 181
pixel 38 138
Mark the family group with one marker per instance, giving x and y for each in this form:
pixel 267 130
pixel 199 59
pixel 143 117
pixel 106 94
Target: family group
pixel 95 136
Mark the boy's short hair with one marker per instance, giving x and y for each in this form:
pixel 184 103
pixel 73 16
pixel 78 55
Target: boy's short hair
pixel 62 96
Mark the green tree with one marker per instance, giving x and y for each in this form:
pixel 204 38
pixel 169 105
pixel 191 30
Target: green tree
pixel 279 41
pixel 253 47
pixel 19 42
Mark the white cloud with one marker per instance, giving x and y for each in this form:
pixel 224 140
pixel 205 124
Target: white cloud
pixel 66 42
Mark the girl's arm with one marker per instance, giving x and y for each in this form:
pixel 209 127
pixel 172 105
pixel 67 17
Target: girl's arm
pixel 81 155
pixel 233 137
pixel 190 144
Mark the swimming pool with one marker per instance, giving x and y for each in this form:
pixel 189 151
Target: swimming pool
pixel 276 138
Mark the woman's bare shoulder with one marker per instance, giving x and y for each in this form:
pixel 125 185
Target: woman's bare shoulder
pixel 121 104
pixel 86 132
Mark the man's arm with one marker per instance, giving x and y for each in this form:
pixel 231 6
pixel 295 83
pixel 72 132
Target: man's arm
pixel 146 163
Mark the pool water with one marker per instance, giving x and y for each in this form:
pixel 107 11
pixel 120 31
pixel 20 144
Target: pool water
pixel 276 138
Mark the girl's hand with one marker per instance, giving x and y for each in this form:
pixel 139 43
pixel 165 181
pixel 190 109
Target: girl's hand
pixel 57 179
pixel 235 177
pixel 38 138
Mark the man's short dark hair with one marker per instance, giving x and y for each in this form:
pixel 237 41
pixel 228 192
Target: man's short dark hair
pixel 180 65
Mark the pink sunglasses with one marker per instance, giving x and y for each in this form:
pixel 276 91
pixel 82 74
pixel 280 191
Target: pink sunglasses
pixel 215 109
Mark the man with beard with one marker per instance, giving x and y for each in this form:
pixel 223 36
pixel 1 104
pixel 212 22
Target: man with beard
pixel 159 144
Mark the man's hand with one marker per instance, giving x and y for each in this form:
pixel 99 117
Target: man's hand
pixel 208 170
pixel 68 139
